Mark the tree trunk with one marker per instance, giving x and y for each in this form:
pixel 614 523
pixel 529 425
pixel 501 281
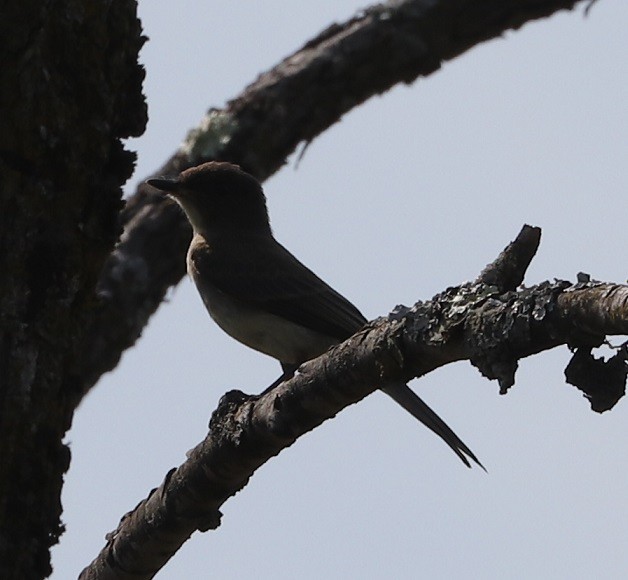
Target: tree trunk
pixel 71 81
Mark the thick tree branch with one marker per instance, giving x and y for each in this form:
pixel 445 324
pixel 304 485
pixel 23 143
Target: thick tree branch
pixel 492 328
pixel 309 91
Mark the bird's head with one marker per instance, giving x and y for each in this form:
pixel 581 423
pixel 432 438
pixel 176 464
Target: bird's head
pixel 218 196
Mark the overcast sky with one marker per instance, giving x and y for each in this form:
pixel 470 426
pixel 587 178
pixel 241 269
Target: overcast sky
pixel 413 192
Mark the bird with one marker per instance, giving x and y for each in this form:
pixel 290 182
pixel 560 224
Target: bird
pixel 258 292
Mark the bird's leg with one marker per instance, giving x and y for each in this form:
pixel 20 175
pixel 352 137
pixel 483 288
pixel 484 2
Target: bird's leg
pixel 288 372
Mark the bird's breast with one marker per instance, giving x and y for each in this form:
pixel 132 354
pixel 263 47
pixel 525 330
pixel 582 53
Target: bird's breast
pixel 258 329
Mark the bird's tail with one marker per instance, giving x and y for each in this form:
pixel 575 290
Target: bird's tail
pixel 411 402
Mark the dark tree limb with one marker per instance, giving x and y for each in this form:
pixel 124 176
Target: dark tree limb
pixel 491 327
pixel 346 64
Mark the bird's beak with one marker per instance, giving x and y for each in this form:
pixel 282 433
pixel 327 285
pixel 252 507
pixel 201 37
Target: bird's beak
pixel 168 185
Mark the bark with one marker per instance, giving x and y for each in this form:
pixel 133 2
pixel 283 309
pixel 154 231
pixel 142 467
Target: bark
pixel 72 85
pixel 489 324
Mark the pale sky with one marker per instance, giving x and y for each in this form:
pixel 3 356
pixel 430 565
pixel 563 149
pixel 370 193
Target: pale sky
pixel 413 192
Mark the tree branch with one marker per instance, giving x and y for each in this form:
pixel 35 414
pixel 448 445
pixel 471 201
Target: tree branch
pixel 477 321
pixel 298 99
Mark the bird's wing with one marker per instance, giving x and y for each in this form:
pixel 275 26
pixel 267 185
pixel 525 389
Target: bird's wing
pixel 265 275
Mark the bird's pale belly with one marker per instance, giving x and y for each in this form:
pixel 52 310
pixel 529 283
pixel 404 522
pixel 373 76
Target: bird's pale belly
pixel 262 331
